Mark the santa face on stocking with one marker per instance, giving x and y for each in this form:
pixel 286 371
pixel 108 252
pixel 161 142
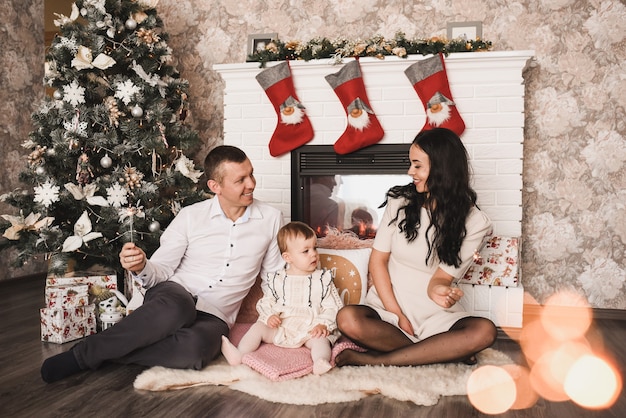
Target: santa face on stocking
pixel 291 111
pixel 438 109
pixel 358 114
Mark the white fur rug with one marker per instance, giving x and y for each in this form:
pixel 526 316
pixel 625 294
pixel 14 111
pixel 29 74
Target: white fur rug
pixel 422 385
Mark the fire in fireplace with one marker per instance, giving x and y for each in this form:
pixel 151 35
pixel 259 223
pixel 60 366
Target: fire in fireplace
pixel 345 191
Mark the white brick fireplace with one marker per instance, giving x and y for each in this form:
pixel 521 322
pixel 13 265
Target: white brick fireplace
pixel 488 89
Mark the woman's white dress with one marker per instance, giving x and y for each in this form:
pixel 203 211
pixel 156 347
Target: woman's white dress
pixel 410 274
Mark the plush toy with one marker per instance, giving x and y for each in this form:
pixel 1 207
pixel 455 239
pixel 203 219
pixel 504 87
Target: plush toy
pixel 111 306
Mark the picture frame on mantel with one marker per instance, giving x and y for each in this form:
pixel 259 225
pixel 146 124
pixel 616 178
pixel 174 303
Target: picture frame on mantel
pixel 258 41
pixel 465 30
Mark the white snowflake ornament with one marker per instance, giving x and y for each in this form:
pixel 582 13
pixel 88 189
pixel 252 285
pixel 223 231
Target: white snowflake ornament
pixel 117 195
pixel 47 194
pixel 74 94
pixel 126 91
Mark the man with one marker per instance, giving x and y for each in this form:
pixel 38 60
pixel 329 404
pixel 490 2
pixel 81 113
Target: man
pixel 209 258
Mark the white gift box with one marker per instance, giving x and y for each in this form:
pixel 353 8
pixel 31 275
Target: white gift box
pixel 106 281
pixel 66 297
pixel 497 264
pixel 63 325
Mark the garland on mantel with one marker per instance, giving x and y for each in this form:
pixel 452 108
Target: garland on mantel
pixel 378 46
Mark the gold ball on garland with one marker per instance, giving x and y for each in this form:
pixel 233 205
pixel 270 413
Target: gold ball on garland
pixel 137 112
pixel 154 226
pixel 130 24
pixel 106 161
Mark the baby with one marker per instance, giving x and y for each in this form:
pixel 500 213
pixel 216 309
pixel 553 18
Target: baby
pixel 299 304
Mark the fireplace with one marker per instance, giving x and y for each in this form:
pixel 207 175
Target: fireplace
pixel 345 191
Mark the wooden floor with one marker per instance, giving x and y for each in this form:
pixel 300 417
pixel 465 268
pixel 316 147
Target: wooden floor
pixel 109 391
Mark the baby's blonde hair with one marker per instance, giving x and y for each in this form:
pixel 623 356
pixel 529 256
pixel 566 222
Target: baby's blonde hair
pixel 293 230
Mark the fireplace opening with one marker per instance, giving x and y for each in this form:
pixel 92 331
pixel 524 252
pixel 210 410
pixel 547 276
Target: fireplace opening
pixel 329 190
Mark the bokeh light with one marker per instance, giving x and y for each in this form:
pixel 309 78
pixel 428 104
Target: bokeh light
pixel 526 396
pixel 566 316
pixel 593 383
pixel 491 390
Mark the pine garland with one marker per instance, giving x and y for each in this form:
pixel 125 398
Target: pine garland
pixel 378 46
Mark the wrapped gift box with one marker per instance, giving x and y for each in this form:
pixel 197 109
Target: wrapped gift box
pixel 69 296
pixel 63 325
pixel 107 281
pixel 497 264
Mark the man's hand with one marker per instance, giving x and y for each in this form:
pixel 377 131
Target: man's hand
pixel 132 258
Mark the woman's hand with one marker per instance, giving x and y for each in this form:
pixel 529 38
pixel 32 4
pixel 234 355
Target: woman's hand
pixel 440 289
pixel 445 295
pixel 132 258
pixel 405 324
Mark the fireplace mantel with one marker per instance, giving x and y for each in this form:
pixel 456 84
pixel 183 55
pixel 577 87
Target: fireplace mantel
pixel 488 88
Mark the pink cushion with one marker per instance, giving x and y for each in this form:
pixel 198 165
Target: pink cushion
pixel 275 363
pixel 279 363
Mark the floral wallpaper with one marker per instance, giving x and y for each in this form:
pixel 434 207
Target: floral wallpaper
pixel 574 196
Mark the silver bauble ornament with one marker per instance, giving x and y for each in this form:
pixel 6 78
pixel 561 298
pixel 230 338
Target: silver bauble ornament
pixel 40 171
pixel 136 111
pixel 106 161
pixel 130 24
pixel 154 226
pixel 57 95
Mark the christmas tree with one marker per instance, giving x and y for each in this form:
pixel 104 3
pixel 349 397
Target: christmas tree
pixel 106 162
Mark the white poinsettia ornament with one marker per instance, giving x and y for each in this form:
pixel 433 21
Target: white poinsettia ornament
pixel 30 223
pixel 87 193
pixel 186 167
pixel 84 60
pixel 64 20
pixel 82 234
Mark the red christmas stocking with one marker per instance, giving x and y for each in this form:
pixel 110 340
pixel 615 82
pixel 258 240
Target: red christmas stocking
pixel 294 127
pixel 430 81
pixel 363 127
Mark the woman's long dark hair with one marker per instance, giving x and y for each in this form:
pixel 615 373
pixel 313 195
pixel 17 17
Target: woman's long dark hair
pixel 449 196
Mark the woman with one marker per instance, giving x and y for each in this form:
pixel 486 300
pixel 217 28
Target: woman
pixel 426 239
